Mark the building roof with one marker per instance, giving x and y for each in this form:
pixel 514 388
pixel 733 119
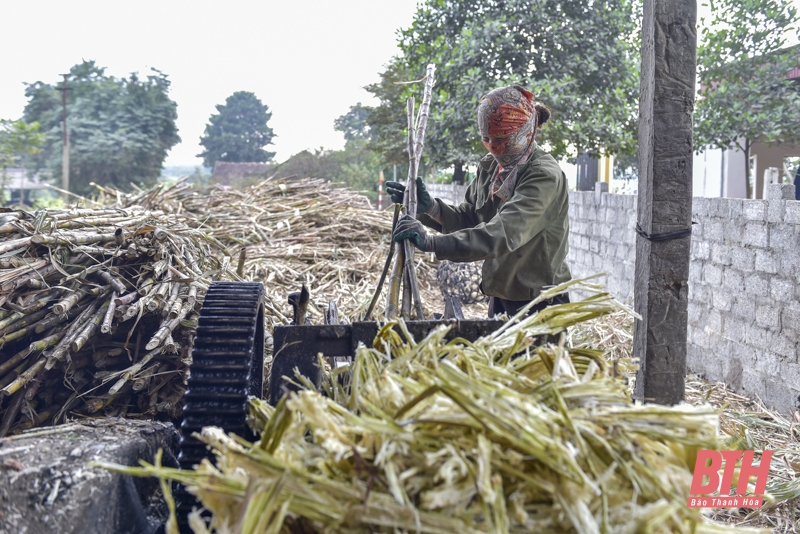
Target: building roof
pixel 228 172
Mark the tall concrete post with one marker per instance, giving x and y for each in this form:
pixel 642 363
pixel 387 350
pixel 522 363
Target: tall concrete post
pixel 64 137
pixel 669 50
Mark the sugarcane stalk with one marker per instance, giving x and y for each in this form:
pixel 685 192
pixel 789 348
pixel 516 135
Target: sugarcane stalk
pixel 95 405
pixel 30 392
pixel 127 299
pixel 424 112
pixel 56 319
pixel 70 238
pixel 83 272
pixel 240 266
pixel 39 300
pixel 129 373
pixel 11 414
pixel 74 329
pixel 411 210
pixel 167 326
pixel 63 306
pixel 96 222
pixel 176 308
pixel 133 310
pixel 191 298
pixel 10 377
pixel 13 361
pixel 90 329
pixel 105 327
pixel 171 346
pixel 395 282
pixel 46 343
pixel 23 320
pixel 14 244
pixel 37 274
pixel 41 417
pixel 115 284
pixel 174 293
pixel 147 286
pixel 386 266
pixel 406 302
pixel 410 194
pixel 24 378
pixel 22 332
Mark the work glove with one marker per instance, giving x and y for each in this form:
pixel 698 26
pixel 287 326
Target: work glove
pixel 413 230
pixel 424 200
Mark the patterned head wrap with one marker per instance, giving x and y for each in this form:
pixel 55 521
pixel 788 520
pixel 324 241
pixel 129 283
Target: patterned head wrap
pixel 508 117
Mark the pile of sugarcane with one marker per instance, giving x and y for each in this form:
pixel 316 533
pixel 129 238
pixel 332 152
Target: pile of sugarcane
pixel 293 231
pixel 499 435
pixel 97 312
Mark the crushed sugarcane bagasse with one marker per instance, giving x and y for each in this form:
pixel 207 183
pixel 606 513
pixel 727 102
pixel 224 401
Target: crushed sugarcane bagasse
pixel 495 436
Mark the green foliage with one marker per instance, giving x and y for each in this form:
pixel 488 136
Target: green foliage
pixel 18 140
pixel 580 57
pixel 353 124
pixel 238 131
pixel 743 64
pixel 120 129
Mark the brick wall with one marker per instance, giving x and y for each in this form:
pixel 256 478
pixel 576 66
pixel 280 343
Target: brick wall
pixel 744 296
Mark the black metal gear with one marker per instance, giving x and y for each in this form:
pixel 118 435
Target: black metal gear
pixel 227 367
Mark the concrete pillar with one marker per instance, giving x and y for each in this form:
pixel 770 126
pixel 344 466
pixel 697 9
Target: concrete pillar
pixel 669 45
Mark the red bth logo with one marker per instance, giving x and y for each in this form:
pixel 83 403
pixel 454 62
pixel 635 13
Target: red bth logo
pixel 708 466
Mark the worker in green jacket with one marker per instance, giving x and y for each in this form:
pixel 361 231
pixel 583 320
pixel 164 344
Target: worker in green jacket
pixel 514 215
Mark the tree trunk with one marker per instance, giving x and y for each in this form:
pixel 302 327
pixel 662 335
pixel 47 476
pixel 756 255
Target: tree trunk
pixel 748 188
pixel 661 289
pixel 458 174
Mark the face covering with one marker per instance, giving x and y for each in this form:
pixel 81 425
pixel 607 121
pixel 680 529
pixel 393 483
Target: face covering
pixel 507 121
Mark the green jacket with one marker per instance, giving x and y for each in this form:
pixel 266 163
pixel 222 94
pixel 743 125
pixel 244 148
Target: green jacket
pixel 524 240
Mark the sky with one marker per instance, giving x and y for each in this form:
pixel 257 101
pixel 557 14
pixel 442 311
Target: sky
pixel 308 60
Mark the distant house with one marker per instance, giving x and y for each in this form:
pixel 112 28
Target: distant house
pixel 19 182
pixel 722 173
pixel 231 173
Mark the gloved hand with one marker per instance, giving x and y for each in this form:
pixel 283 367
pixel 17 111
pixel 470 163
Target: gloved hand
pixel 424 200
pixel 412 229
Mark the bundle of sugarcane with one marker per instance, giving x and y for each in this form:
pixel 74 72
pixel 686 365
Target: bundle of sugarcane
pixel 403 270
pixel 499 435
pixel 97 308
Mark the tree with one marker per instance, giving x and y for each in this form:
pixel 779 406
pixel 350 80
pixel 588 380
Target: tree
pixel 120 129
pixel 238 131
pixel 580 57
pixel 743 64
pixel 18 141
pixel 353 124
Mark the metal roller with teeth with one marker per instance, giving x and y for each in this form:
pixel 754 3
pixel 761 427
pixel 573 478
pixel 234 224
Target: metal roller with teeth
pixel 227 367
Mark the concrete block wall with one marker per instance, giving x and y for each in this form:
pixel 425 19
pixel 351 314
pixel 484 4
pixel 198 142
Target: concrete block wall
pixel 602 239
pixel 744 295
pixel 450 193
